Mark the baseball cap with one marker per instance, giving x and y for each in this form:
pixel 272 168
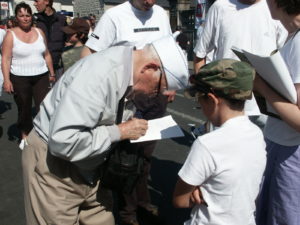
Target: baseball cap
pixel 77 25
pixel 173 61
pixel 226 78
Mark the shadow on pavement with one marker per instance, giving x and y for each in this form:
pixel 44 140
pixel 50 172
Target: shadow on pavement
pixel 162 184
pixel 4 106
pixel 13 133
pixel 163 180
pixel 186 140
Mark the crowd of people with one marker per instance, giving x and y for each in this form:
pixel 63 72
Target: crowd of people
pixel 83 75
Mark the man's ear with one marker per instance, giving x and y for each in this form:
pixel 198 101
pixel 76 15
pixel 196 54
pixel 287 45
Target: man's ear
pixel 151 66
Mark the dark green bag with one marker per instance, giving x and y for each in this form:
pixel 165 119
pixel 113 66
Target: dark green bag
pixel 122 169
pixel 124 164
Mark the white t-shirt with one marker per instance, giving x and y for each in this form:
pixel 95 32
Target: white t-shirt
pixel 249 27
pixel 277 130
pixel 2 34
pixel 228 163
pixel 124 23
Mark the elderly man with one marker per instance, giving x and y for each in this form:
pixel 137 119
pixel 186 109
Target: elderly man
pixel 137 22
pixel 76 126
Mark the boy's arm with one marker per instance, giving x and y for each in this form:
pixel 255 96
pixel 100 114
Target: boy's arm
pixel 197 168
pixel 186 195
pixel 182 194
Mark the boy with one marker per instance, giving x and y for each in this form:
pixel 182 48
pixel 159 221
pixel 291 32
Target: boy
pixel 77 34
pixel 223 171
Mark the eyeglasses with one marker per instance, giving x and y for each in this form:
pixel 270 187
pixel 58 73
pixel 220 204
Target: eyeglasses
pixel 160 89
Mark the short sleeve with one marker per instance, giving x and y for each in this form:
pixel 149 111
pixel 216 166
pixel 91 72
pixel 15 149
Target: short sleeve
pixel 281 34
pixel 199 165
pixel 104 34
pixel 294 59
pixel 204 43
pixel 291 55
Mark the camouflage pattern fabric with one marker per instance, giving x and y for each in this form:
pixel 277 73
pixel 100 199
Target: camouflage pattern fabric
pixel 226 78
pixel 71 56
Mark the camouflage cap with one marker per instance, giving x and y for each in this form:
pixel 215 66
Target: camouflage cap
pixel 226 78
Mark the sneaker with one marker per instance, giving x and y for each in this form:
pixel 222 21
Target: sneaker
pixel 151 214
pixel 150 209
pixel 130 222
pixel 23 143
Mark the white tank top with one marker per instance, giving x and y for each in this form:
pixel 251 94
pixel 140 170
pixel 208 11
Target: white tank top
pixel 28 59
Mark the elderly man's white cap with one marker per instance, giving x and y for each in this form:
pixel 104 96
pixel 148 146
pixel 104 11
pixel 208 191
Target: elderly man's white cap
pixel 174 62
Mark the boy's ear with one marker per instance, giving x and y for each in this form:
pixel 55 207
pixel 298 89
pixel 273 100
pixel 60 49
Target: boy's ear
pixel 213 98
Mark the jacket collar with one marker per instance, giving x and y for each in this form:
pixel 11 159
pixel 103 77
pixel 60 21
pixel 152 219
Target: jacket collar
pixel 42 16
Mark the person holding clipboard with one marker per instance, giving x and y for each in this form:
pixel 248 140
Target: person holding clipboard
pixel 279 199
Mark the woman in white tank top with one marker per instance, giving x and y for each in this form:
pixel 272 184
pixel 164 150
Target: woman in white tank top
pixel 26 65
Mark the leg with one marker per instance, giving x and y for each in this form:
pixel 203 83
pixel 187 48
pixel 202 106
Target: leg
pixel 97 208
pixel 40 90
pixel 281 202
pixel 128 206
pixel 52 190
pixel 23 98
pixel 284 194
pixel 263 198
pixel 128 203
pixel 143 195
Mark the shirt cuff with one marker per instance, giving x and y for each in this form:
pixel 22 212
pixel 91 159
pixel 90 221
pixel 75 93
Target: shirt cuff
pixel 92 45
pixel 114 133
pixel 201 55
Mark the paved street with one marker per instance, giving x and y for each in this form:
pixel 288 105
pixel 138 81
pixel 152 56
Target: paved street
pixel 168 158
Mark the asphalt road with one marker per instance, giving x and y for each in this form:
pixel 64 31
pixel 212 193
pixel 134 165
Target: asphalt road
pixel 167 160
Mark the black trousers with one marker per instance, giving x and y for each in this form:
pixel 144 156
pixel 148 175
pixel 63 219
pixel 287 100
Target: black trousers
pixel 148 108
pixel 27 88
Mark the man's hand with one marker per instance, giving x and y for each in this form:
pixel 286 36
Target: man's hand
pixel 133 129
pixel 170 94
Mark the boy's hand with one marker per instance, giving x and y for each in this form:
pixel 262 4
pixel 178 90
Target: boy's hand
pixel 197 197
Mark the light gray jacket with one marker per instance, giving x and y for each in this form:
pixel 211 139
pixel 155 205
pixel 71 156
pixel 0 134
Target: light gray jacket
pixel 77 117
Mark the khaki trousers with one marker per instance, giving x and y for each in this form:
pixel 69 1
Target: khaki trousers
pixel 54 192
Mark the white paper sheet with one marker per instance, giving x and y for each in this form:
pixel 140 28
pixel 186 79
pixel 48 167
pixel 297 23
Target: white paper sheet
pixel 273 70
pixel 161 128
